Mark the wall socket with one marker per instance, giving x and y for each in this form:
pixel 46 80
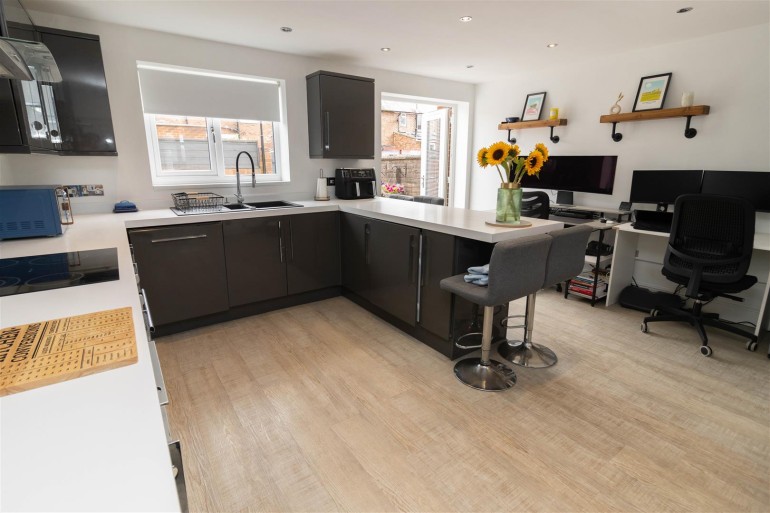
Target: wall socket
pixel 331 180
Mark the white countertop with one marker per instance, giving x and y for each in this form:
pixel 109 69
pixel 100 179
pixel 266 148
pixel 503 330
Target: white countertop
pixel 97 443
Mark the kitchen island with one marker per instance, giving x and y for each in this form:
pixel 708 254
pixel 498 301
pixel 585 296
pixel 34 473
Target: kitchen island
pixel 98 443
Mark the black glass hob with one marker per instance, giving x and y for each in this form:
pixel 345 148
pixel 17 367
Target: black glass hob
pixel 58 270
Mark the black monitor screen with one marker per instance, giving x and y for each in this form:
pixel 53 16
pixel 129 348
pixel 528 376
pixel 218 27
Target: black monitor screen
pixel 592 173
pixel 663 187
pixel 752 185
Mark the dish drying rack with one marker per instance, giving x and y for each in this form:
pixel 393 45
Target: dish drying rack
pixel 197 202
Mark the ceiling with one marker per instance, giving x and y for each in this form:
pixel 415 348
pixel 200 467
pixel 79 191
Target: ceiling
pixel 426 37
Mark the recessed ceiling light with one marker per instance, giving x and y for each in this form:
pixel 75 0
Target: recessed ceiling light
pixel 286 29
pixel 469 66
pixel 466 19
pixel 684 9
pixel 552 45
pixel 385 49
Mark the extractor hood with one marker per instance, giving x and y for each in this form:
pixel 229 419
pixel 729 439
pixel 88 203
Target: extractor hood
pixel 19 59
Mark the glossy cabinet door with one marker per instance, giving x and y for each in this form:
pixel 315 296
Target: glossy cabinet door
pixel 81 99
pixel 313 253
pixel 340 116
pixel 11 138
pixel 182 269
pixel 255 253
pixel 35 110
pixel 354 233
pixel 437 262
pixel 392 266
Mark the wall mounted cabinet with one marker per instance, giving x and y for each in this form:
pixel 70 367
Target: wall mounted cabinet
pixel 71 117
pixel 340 111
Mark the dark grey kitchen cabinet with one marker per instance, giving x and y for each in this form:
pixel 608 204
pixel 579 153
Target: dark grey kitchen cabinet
pixel 71 117
pixel 393 258
pixel 354 239
pixel 82 103
pixel 313 253
pixel 340 115
pixel 255 253
pixel 379 264
pixel 182 269
pixel 438 262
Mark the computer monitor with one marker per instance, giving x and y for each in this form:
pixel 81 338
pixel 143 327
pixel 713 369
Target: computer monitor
pixel 663 187
pixel 577 173
pixel 752 185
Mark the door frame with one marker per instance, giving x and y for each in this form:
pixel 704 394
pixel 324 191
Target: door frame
pixel 442 116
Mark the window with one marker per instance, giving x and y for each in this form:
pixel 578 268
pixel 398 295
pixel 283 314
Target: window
pixel 401 122
pixel 190 145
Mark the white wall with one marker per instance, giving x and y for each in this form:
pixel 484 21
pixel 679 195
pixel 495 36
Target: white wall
pixel 128 177
pixel 728 71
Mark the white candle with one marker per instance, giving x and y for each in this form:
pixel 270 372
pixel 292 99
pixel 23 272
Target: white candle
pixel 688 98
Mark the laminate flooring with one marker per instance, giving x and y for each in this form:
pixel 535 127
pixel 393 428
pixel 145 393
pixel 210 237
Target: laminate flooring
pixel 324 407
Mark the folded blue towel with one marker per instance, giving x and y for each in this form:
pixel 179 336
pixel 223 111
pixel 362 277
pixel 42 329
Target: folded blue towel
pixel 124 206
pixel 482 269
pixel 477 279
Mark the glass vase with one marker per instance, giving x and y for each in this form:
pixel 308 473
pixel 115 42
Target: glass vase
pixel 508 204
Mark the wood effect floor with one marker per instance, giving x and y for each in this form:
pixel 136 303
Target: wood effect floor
pixel 324 407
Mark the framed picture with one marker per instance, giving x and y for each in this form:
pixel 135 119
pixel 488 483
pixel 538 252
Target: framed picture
pixel 533 106
pixel 652 92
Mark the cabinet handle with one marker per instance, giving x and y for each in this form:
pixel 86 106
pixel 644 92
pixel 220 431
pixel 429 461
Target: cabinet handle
pixel 411 259
pixel 423 259
pixel 326 131
pixel 146 305
pixel 186 237
pixel 367 231
pixel 291 241
pixel 280 241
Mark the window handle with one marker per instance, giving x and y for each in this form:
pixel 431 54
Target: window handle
pixel 213 134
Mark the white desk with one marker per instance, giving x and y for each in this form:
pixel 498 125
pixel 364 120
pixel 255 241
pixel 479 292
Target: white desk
pixel 630 241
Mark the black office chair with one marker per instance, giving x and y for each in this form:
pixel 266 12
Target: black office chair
pixel 535 204
pixel 709 251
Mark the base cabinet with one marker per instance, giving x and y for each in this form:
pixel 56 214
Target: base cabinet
pixel 380 264
pixel 437 262
pixel 255 256
pixel 313 258
pixel 182 269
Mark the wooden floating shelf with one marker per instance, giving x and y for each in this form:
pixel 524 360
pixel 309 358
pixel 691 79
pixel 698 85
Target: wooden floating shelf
pixel 679 112
pixel 532 124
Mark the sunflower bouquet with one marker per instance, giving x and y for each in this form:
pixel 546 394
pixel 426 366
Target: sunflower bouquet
pixel 508 158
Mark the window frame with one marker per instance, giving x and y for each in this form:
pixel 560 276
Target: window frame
pixel 215 176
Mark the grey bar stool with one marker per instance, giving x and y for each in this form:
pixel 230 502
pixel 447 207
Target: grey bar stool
pixel 566 259
pixel 516 269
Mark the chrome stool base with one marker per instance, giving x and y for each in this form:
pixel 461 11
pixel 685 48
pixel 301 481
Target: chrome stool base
pixel 534 356
pixel 492 377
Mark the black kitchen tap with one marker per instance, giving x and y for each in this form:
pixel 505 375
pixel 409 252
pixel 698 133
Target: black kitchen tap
pixel 238 195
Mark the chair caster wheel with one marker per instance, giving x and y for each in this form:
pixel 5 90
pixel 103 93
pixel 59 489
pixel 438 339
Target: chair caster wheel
pixel 706 350
pixel 644 327
pixel 751 345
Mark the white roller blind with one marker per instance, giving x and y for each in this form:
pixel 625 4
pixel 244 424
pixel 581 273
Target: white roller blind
pixel 182 92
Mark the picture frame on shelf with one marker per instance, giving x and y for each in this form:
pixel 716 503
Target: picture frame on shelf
pixel 533 107
pixel 651 94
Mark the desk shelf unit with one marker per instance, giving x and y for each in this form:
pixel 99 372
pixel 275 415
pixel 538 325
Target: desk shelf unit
pixel 533 124
pixel 679 112
pixel 592 284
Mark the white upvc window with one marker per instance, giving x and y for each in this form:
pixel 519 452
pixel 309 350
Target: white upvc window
pixel 193 150
pixel 190 145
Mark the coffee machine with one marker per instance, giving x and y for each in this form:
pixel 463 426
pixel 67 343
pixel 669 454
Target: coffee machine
pixel 354 183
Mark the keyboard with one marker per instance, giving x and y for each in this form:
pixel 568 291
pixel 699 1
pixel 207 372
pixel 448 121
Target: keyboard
pixel 577 214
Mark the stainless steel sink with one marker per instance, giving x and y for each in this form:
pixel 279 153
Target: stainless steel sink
pixel 261 205
pixel 237 206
